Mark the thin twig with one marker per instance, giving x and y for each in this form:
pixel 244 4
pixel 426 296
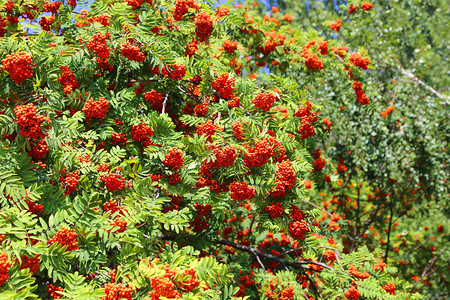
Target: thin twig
pixel 316 206
pixel 424 273
pixel 337 256
pixel 420 82
pixel 164 103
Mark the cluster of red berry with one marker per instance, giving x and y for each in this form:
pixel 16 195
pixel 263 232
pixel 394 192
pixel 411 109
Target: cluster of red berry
pixel 388 110
pixel 296 213
pixel 187 286
pixel 142 133
pixel 113 182
pixel 52 7
pixel 18 66
pixel 3 22
pixel 134 3
pixel 208 129
pixel 5 266
pixel 329 255
pixel 360 96
pixel 119 138
pixel 54 291
pixel 234 102
pixel 29 121
pixel 357 60
pixel 132 52
pixel 286 174
pixel 140 89
pixel 364 5
pixel 112 207
pixel 103 19
pixel 173 204
pixel 68 80
pixel 95 109
pixel 307 118
pixel 323 47
pixel 115 291
pixel 264 101
pixel 34 208
pixel 201 109
pixel 117 222
pixel 275 210
pixel 46 23
pixel 389 288
pixel 319 163
pixel 172 283
pixel 259 155
pixel 352 293
pixel 285 293
pixel 71 182
pixel 336 26
pixel 285 179
pixel 31 263
pixel 354 271
pixel 155 99
pixel 225 158
pixel 340 51
pixel 191 49
pixel 341 167
pixel 224 85
pixel 246 282
pixel 174 71
pixel 204 25
pixel 163 287
pixel 222 11
pixel 182 7
pixel 352 8
pixel 274 40
pixel 174 159
pixel 65 237
pixel 38 148
pixel 230 46
pixel 380 266
pixel 367 5
pixel 237 128
pixel 312 60
pixel 98 45
pixel 174 179
pixel 199 222
pixel 241 191
pixel 298 229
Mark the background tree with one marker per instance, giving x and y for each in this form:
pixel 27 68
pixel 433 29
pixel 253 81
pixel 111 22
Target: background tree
pixel 392 184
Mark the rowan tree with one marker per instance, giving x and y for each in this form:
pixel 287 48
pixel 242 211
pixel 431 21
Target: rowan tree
pixel 141 158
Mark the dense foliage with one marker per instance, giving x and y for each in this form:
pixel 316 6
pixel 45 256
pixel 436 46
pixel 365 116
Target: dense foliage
pixel 144 155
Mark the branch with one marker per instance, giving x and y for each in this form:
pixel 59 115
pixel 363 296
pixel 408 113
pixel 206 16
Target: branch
pixel 386 255
pixel 316 206
pixel 420 82
pixel 164 103
pixel 298 264
pixel 424 273
pixel 337 256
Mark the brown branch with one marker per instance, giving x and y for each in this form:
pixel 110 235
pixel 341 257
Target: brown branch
pixel 316 206
pixel 298 264
pixel 420 82
pixel 424 273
